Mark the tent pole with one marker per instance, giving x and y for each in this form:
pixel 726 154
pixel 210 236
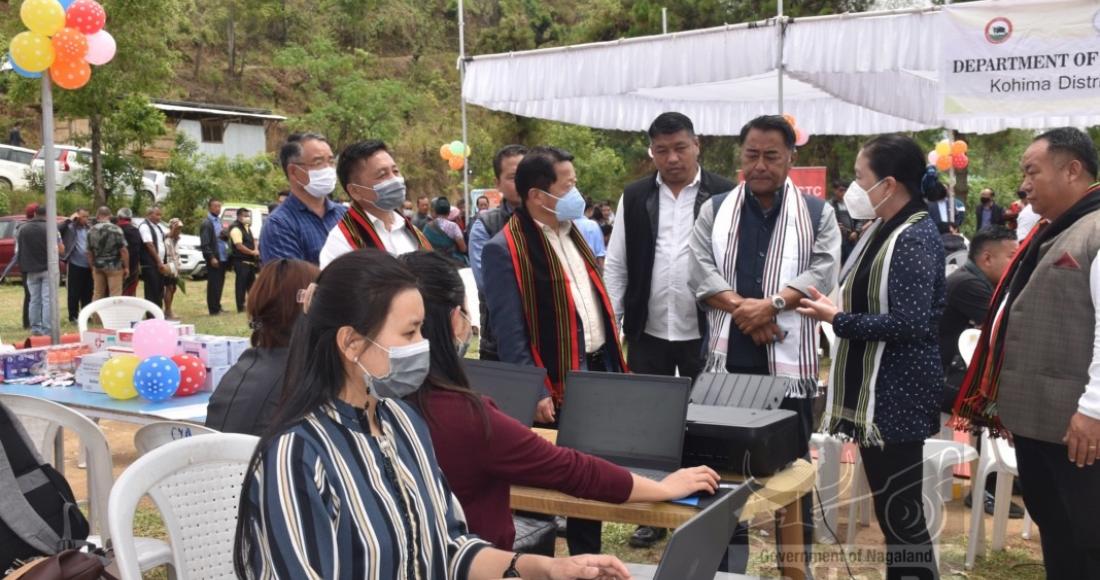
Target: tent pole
pixel 782 32
pixel 461 82
pixel 664 20
pixel 949 135
pixel 53 271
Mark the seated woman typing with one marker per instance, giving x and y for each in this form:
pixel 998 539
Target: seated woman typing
pixel 345 483
pixel 482 451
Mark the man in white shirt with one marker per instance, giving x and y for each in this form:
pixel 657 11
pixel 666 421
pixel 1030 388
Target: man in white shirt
pixel 372 180
pixel 649 259
pixel 153 267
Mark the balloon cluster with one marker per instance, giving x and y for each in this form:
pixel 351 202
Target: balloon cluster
pixel 947 155
pixel 455 154
pixel 154 371
pixel 64 36
pixel 800 137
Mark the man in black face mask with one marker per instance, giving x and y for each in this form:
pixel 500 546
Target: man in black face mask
pixel 370 176
pixel 989 213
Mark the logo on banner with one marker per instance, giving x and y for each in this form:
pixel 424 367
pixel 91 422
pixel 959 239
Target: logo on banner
pixel 998 30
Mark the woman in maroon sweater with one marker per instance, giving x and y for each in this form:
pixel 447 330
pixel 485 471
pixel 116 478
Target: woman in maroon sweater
pixel 483 452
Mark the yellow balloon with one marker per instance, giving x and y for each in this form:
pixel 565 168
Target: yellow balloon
pixel 43 16
pixel 117 376
pixel 33 52
pixel 943 148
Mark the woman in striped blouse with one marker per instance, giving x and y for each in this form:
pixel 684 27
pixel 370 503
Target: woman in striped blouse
pixel 346 484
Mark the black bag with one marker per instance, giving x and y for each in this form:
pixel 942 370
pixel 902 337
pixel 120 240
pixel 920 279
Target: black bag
pixel 38 512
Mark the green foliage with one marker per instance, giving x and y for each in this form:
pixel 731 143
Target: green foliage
pixel 198 179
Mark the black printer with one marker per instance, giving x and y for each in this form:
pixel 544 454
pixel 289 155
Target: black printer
pixel 757 439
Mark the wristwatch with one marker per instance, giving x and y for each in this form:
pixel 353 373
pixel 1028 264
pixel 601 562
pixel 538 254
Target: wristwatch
pixel 778 303
pixel 512 572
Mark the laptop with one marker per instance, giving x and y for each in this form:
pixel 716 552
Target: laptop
pixel 516 389
pixel 635 421
pixel 696 548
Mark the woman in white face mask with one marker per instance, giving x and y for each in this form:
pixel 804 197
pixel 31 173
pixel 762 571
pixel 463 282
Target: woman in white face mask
pixel 482 451
pixel 886 377
pixel 345 483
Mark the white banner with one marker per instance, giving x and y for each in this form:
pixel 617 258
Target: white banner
pixel 1021 58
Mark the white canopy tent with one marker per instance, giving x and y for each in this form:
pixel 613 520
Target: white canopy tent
pixel 848 74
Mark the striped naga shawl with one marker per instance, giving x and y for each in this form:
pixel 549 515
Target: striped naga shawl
pixel 330 501
pixel 360 233
pixel 789 253
pixel 548 307
pixel 850 402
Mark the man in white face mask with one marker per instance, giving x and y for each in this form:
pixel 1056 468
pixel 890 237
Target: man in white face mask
pixel 297 229
pixel 372 180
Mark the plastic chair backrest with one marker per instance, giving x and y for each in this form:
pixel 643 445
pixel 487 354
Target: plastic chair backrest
pixel 968 343
pixel 1003 453
pixel 195 482
pixel 91 437
pixel 118 312
pixel 156 434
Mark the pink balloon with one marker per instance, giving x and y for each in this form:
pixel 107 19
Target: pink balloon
pixel 801 137
pixel 155 337
pixel 101 48
pixel 933 157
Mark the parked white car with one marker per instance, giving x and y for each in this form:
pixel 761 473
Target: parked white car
pixel 14 163
pixel 155 185
pixel 70 160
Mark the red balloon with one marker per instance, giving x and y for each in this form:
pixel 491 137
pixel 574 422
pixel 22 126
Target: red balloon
pixel 960 161
pixel 192 374
pixel 87 16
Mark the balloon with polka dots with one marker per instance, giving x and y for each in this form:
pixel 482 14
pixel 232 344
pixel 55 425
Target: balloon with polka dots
pixel 64 37
pixel 192 374
pixel 157 378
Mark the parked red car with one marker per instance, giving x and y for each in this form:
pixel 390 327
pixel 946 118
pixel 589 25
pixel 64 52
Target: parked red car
pixel 8 226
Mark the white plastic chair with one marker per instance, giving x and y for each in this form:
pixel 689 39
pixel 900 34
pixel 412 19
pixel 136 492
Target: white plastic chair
pixel 195 482
pixel 160 433
pixel 940 459
pixel 150 552
pixel 118 312
pixel 1000 458
pixel 829 455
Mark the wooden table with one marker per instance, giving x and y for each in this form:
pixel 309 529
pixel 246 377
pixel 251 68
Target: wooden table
pixel 779 495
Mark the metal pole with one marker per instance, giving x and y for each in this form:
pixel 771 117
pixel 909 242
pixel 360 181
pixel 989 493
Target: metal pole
pixel 779 16
pixel 461 81
pixel 664 20
pixel 52 268
pixel 949 135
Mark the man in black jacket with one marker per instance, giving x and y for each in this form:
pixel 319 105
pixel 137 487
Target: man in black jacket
pixel 32 263
pixel 988 212
pixel 214 251
pixel 648 260
pixel 134 246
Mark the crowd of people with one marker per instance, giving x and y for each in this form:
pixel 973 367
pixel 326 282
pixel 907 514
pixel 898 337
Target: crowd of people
pixel 375 448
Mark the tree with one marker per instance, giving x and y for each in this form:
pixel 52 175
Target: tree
pixel 142 66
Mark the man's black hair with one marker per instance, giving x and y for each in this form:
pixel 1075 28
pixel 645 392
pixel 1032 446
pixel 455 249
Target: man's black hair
pixel 1076 144
pixel 292 149
pixel 536 170
pixel 987 236
pixel 669 124
pixel 770 123
pixel 352 155
pixel 504 153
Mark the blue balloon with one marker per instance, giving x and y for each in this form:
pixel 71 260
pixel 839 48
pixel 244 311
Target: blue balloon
pixel 157 378
pixel 21 72
pixel 66 3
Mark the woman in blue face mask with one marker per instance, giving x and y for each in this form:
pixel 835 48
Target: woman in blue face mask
pixel 345 483
pixel 482 451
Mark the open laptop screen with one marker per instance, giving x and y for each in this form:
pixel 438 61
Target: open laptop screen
pixel 515 389
pixel 632 420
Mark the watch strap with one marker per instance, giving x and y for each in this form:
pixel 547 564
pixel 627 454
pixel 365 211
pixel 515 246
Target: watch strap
pixel 512 572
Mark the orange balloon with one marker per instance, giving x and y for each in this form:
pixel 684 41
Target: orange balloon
pixel 70 44
pixel 456 162
pixel 445 152
pixel 71 74
pixel 959 148
pixel 790 120
pixel 943 163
